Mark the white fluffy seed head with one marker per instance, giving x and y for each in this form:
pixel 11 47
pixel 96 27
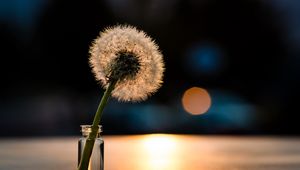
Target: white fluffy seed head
pixel 106 49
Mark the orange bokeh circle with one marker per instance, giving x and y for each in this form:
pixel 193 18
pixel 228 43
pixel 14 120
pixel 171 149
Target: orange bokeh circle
pixel 196 101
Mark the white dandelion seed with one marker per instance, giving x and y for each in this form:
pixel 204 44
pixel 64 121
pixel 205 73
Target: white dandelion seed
pixel 129 56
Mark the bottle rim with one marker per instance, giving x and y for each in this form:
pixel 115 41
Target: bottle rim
pixel 88 128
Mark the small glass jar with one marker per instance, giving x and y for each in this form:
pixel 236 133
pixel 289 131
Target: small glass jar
pixel 97 157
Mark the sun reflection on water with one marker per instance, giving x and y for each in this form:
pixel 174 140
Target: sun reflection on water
pixel 151 152
pixel 159 143
pixel 159 151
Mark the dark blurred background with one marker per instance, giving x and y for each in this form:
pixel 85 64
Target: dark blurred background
pixel 245 54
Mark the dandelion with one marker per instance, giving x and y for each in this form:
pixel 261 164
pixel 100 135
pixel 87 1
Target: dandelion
pixel 129 66
pixel 128 55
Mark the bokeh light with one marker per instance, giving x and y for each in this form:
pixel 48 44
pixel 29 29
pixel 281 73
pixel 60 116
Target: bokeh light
pixel 196 101
pixel 205 59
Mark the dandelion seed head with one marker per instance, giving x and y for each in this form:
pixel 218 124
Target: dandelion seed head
pixel 130 56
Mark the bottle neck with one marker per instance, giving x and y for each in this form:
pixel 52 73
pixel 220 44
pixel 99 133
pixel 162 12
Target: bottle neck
pixel 87 129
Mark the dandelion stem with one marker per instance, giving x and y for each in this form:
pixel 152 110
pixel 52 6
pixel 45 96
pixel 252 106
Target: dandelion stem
pixel 88 148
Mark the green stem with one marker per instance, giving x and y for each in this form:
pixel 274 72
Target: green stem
pixel 88 148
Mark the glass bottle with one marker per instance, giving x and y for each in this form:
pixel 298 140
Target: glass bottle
pixel 97 157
